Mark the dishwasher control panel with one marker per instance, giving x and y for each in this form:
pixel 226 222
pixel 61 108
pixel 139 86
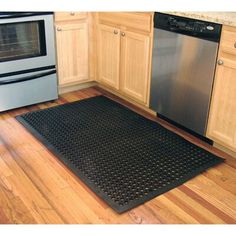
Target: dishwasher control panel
pixel 189 26
pixel 196 26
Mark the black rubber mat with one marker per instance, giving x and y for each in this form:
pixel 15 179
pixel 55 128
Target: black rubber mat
pixel 123 157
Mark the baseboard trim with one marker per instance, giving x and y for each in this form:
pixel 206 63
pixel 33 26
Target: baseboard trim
pixel 76 87
pixel 224 149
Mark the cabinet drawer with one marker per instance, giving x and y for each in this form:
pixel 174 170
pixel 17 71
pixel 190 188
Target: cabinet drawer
pixel 228 40
pixel 138 21
pixel 68 16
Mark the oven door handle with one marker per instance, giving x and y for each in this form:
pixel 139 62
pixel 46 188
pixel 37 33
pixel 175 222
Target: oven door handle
pixel 27 78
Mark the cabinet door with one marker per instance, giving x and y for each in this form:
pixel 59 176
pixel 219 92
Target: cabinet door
pixel 222 119
pixel 109 55
pixel 135 65
pixel 72 53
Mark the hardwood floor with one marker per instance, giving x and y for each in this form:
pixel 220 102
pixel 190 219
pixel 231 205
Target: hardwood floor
pixel 35 187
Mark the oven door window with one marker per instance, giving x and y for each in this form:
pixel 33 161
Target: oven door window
pixel 22 40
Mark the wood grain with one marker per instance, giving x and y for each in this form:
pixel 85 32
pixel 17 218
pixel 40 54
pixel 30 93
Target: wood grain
pixel 109 55
pixel 69 16
pixel 135 21
pixel 72 53
pixel 228 40
pixel 222 118
pixel 135 50
pixel 35 187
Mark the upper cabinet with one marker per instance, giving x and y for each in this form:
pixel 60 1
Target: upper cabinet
pixel 72 47
pixel 222 118
pixel 124 50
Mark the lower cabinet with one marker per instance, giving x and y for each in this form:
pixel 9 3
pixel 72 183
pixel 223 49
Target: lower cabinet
pixel 135 65
pixel 109 56
pixel 72 53
pixel 123 61
pixel 222 119
pixel 122 56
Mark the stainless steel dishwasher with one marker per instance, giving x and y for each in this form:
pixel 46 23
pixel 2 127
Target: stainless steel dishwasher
pixel 183 67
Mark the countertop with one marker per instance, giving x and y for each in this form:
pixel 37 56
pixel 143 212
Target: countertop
pixel 226 18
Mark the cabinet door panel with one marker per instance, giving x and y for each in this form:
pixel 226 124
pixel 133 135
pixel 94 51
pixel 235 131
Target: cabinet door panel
pixel 134 67
pixel 72 52
pixel 222 119
pixel 109 55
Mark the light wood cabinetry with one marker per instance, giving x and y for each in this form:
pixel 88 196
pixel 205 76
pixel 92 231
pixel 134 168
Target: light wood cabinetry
pixel 72 53
pixel 72 48
pixel 222 118
pixel 111 48
pixel 109 55
pixel 134 70
pixel 124 54
pixel 228 40
pixel 70 16
pixel 135 21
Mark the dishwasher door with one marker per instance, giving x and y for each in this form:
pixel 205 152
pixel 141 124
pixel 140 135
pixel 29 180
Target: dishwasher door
pixel 182 78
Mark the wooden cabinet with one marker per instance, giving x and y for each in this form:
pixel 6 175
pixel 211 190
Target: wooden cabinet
pixel 111 48
pixel 222 118
pixel 72 53
pixel 124 55
pixel 72 49
pixel 134 60
pixel 109 55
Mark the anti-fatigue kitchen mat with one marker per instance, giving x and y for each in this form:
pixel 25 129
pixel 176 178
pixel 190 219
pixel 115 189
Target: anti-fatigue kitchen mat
pixel 123 157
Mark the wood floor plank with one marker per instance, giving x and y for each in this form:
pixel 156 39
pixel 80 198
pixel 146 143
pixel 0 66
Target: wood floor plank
pixel 185 216
pixel 32 198
pixel 214 194
pixel 203 202
pixel 12 208
pixel 224 176
pixel 197 211
pixel 35 187
pixel 71 97
pixel 164 213
pixel 144 215
pixel 3 218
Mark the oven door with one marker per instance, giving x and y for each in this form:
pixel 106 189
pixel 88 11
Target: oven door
pixel 26 42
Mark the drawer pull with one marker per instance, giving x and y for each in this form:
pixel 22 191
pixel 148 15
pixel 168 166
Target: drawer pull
pixel 220 62
pixel 72 13
pixel 123 34
pixel 235 45
pixel 58 29
pixel 115 31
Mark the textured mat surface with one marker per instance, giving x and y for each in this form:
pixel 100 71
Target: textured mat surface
pixel 123 157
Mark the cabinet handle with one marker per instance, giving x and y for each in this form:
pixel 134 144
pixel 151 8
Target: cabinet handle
pixel 235 45
pixel 123 34
pixel 220 62
pixel 72 13
pixel 58 29
pixel 115 31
